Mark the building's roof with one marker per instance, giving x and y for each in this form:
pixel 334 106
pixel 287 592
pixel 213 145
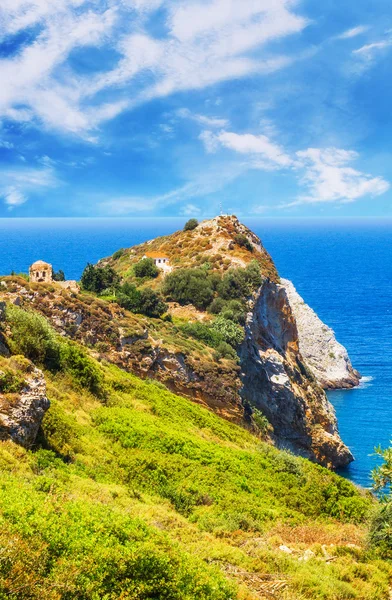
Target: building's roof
pixel 39 264
pixel 156 255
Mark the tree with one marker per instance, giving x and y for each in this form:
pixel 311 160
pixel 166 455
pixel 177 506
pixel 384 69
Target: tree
pixel 191 224
pixel 146 268
pixel 96 279
pixel 59 275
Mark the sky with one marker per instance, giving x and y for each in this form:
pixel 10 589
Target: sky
pixel 149 108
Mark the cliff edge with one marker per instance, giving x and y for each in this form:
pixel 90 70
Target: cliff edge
pixel 326 358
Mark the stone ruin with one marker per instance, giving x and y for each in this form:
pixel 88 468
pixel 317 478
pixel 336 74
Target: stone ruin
pixel 41 272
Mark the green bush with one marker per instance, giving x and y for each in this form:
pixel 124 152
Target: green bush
pixel 189 286
pixel 118 254
pixel 74 360
pixel 146 268
pixel 97 279
pixel 240 283
pixel 191 224
pixel 144 301
pixel 224 350
pixel 204 333
pixel 32 336
pixel 231 333
pixel 243 241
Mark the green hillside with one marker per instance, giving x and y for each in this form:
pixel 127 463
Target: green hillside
pixel 135 493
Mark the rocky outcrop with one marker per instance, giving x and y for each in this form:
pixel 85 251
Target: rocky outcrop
pixel 326 358
pixel 21 414
pixel 277 382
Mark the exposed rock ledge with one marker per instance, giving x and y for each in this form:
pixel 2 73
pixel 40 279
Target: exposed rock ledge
pixel 21 417
pixel 325 357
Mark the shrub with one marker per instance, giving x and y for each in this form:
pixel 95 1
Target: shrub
pixel 224 350
pixel 217 305
pixel 97 279
pixel 151 303
pixel 146 268
pixel 75 361
pixel 241 282
pixel 243 241
pixel 145 301
pixel 32 336
pixel 231 333
pixel 191 224
pixel 118 254
pixel 189 286
pixel 234 310
pixel 204 333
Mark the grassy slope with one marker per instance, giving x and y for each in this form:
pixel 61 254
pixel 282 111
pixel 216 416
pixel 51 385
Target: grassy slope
pixel 147 495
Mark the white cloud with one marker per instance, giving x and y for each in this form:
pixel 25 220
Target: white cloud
pixel 13 197
pixel 17 182
pixel 326 173
pixel 256 146
pixel 329 178
pixel 185 113
pixel 205 43
pixel 352 33
pixel 5 144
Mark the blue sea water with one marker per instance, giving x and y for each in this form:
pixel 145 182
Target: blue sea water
pixel 342 268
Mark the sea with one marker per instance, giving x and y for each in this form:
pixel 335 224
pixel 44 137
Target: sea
pixel 341 267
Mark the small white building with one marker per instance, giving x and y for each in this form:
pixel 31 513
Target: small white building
pixel 160 260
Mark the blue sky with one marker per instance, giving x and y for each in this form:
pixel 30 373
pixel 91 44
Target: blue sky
pixel 173 107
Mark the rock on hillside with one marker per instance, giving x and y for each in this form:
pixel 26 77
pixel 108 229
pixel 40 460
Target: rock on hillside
pixel 326 358
pixel 21 413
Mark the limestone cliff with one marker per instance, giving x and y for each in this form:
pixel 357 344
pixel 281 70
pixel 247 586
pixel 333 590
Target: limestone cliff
pixel 277 382
pixel 326 358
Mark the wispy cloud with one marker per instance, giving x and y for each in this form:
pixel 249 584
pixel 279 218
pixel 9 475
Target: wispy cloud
pixel 185 113
pixel 368 50
pixel 17 183
pixel 353 32
pixel 205 44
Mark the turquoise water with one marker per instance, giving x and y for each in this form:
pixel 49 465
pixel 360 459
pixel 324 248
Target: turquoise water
pixel 342 268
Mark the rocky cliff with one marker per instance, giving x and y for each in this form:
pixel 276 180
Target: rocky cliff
pixel 277 381
pixel 326 358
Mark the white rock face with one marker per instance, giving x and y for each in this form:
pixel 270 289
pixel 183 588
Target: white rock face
pixel 325 357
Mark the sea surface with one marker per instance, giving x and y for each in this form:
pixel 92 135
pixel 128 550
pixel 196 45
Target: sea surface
pixel 341 267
